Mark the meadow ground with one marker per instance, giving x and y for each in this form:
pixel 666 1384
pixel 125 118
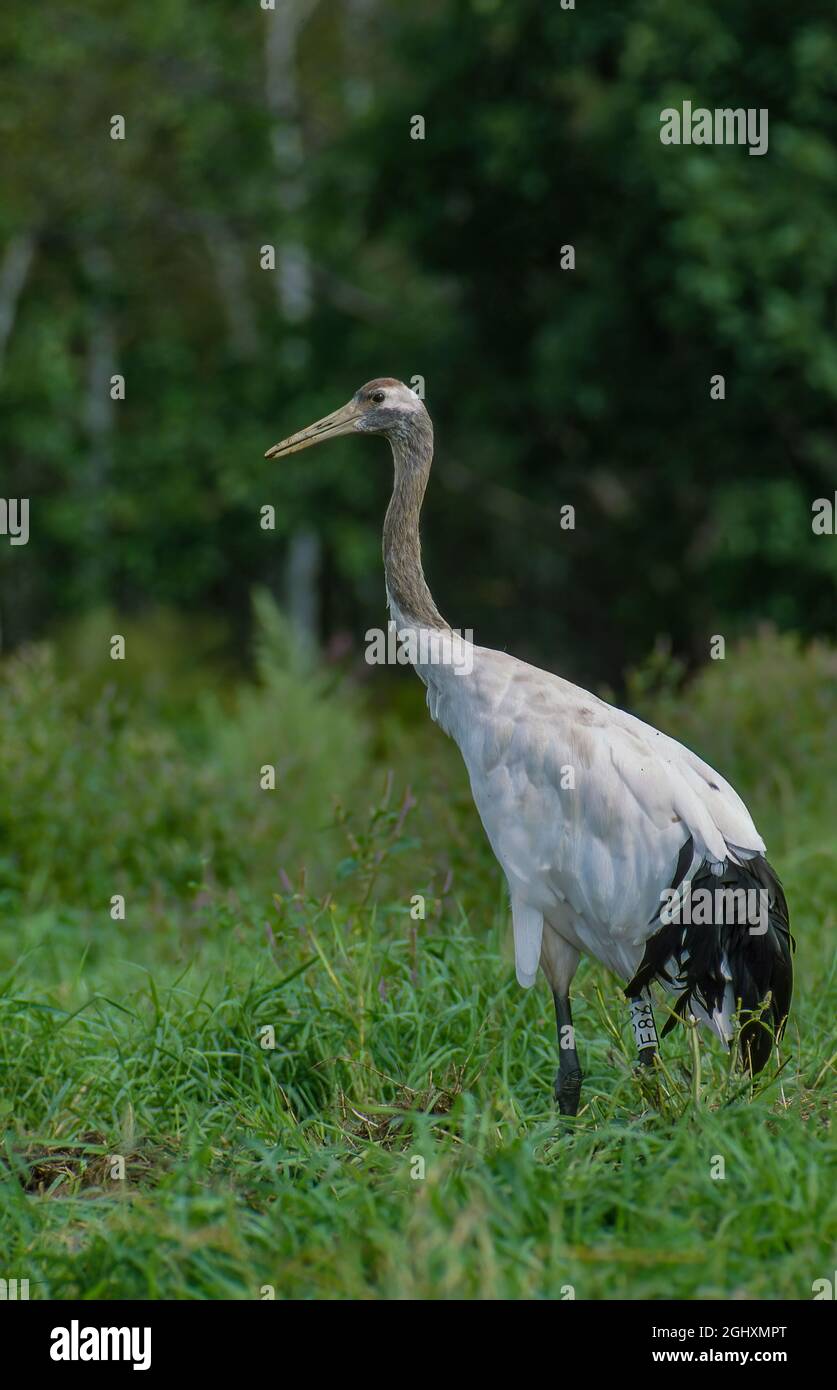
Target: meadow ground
pixel 313 1091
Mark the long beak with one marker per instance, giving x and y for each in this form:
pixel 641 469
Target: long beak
pixel 340 421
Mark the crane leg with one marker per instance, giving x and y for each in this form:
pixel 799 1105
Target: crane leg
pixel 645 1030
pixel 559 962
pixel 569 1078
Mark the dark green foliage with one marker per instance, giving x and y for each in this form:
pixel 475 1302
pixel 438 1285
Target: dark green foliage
pixel 440 258
pixel 247 909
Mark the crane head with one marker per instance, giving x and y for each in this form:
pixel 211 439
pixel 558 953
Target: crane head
pixel 382 406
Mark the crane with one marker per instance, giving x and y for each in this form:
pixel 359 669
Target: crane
pixel 616 841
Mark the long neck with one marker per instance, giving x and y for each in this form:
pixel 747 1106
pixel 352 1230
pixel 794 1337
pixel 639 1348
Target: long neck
pixel 412 449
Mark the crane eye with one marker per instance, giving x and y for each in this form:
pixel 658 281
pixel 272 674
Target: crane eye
pixel 378 396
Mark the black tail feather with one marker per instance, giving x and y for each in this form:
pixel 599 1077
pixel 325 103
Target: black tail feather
pixel 760 962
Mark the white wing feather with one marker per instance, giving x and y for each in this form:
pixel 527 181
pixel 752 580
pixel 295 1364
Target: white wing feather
pixel 585 806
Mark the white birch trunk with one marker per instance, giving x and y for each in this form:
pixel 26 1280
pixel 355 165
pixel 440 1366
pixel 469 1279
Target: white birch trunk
pixel 294 279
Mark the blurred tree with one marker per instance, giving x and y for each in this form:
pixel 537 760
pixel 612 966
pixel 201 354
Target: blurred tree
pixel 439 257
pixel 592 385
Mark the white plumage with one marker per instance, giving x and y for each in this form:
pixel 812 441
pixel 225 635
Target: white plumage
pixel 586 808
pixel 593 815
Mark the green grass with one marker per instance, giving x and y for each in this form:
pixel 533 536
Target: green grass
pixel 396 1040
